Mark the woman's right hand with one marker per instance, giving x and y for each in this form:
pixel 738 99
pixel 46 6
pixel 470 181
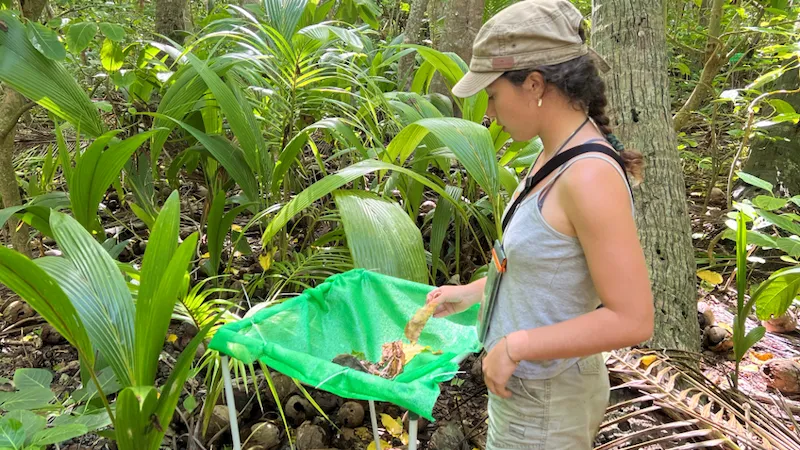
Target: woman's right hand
pixel 452 299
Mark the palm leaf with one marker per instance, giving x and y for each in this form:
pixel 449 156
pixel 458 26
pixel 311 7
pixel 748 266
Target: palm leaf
pixel 334 181
pixel 42 80
pixel 46 297
pixel 110 296
pixel 381 236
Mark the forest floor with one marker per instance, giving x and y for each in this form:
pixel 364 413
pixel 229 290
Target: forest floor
pixel 460 411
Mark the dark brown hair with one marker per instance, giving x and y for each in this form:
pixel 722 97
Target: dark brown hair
pixel 580 81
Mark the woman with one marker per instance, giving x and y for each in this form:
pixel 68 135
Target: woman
pixel 571 244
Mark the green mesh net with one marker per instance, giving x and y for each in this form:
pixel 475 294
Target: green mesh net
pixel 355 311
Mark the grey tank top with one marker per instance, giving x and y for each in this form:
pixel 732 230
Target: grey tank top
pixel 547 280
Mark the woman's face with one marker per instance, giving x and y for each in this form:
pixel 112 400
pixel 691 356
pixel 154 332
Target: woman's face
pixel 514 107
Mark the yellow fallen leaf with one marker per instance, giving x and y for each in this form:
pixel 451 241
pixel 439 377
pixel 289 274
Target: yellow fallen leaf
pixel 384 445
pixel 412 350
pixel 404 438
pixel 649 359
pixel 236 228
pixel 363 433
pixel 710 277
pixel 172 338
pixel 760 358
pixel 394 427
pixel 205 255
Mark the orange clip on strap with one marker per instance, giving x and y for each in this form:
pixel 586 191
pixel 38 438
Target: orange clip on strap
pixel 500 265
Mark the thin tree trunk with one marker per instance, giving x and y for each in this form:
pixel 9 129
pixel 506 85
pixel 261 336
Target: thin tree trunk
pixel 413 35
pixel 630 33
pixel 12 105
pixel 171 18
pixel 715 59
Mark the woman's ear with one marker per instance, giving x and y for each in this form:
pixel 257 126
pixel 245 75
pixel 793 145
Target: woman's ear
pixel 535 84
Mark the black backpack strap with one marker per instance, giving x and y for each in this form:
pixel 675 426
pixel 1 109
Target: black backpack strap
pixel 556 162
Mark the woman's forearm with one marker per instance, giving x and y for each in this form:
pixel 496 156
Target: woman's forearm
pixel 474 290
pixel 600 330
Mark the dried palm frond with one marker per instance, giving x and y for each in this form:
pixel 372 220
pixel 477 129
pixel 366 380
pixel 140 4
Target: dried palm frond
pixel 680 407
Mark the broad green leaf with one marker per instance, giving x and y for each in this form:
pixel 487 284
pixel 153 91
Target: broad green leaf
pixel 782 222
pixel 32 379
pixel 44 81
pixel 285 15
pixel 160 287
pixel 334 181
pixel 769 203
pixel 781 106
pixel 422 78
pixel 111 55
pixel 381 236
pixel 54 200
pixel 60 434
pixel 768 77
pixel 774 296
pixel 31 398
pixel 105 280
pixel 753 237
pixel 12 434
pixel 95 172
pixel 100 324
pixel 469 141
pixel 189 403
pixel 45 296
pixel 789 245
pixel 112 31
pixel 93 420
pixel 45 41
pixel 135 406
pixel 32 423
pixel 755 181
pixel 108 383
pixel 79 35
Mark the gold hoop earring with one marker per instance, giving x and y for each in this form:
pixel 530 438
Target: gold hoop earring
pixel 540 102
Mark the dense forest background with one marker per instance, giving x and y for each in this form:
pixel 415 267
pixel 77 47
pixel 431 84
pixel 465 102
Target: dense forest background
pixel 168 167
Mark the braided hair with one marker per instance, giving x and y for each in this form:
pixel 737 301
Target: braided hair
pixel 580 81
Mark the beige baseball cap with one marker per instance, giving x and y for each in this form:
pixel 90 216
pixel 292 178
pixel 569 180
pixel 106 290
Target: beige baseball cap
pixel 525 35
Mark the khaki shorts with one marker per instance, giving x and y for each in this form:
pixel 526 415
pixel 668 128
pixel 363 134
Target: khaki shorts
pixel 563 412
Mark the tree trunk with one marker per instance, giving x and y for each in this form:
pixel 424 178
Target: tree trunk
pixel 171 18
pixel 462 20
pixel 630 33
pixel 776 158
pixel 715 59
pixel 413 35
pixel 11 107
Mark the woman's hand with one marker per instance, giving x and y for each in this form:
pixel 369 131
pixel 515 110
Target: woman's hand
pixel 452 299
pixel 498 368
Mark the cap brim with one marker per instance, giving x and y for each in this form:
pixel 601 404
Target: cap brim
pixel 474 82
pixel 599 62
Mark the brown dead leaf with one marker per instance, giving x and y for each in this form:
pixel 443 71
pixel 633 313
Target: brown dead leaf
pixel 417 323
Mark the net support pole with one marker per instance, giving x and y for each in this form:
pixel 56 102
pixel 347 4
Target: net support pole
pixel 374 418
pixel 226 377
pixel 413 423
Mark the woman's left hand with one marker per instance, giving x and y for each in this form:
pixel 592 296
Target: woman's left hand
pixel 498 368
